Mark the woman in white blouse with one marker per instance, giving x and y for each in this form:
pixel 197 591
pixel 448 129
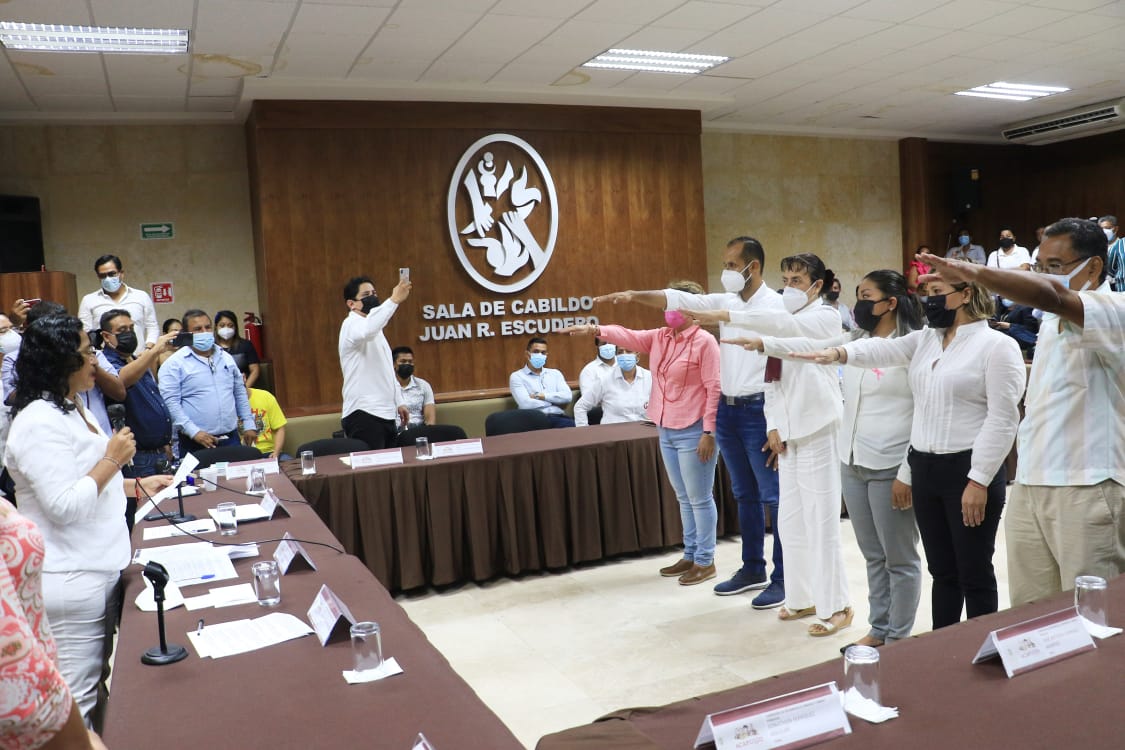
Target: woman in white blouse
pixel 967 380
pixel 872 443
pixel 622 392
pixel 68 479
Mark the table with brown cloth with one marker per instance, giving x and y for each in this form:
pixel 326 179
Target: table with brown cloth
pixel 944 700
pixel 533 501
pixel 291 695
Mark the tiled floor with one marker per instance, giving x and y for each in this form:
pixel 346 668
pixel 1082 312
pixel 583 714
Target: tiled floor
pixel 547 652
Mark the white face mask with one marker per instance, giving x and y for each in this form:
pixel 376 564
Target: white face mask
pixel 10 342
pixel 1109 234
pixel 794 299
pixel 226 334
pixel 1066 279
pixel 733 281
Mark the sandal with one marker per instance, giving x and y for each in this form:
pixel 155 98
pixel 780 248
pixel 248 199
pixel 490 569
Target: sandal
pixel 796 614
pixel 827 627
pixel 864 641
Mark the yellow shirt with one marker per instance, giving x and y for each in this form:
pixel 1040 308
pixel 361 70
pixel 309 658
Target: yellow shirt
pixel 268 417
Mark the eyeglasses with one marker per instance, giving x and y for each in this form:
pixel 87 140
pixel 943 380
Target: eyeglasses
pixel 1055 269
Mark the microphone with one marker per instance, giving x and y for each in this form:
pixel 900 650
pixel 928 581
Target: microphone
pixel 157 574
pixel 116 414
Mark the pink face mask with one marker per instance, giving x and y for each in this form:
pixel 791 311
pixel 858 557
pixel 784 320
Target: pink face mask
pixel 674 318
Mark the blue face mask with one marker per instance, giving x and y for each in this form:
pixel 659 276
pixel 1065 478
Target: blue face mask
pixel 606 351
pixel 537 360
pixel 626 362
pixel 111 284
pixel 963 240
pixel 203 342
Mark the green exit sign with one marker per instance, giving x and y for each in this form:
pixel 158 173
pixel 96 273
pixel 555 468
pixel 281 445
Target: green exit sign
pixel 163 230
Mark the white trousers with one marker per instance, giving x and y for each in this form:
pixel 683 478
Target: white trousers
pixel 76 606
pixel 808 516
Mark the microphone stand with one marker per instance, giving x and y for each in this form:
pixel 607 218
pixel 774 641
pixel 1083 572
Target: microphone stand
pixel 178 517
pixel 162 654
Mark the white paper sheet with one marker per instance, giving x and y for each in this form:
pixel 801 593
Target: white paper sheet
pixel 389 668
pixel 240 636
pixel 243 513
pixel 189 564
pixel 198 526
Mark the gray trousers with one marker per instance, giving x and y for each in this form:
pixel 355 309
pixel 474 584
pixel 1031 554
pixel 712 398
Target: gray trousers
pixel 888 539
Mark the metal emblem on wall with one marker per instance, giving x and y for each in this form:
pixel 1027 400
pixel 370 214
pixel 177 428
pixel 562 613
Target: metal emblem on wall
pixel 503 213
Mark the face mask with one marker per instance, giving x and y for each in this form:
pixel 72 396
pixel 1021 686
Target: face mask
pixel 226 334
pixel 626 362
pixel 1109 234
pixel 865 316
pixel 537 360
pixel 111 284
pixel 1066 279
pixel 606 351
pixel 404 371
pixel 674 318
pixel 832 296
pixel 10 342
pixel 794 299
pixel 1007 242
pixel 733 281
pixel 203 342
pixel 1007 303
pixel 936 314
pixel 127 342
pixel 963 240
pixel 369 303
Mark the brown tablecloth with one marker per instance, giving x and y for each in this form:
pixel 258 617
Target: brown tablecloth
pixel 944 700
pixel 291 695
pixel 533 501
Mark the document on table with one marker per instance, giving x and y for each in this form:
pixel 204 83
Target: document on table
pixel 243 513
pixel 241 636
pixel 189 564
pixel 227 596
pixel 198 526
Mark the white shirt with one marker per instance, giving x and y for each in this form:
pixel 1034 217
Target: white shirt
pixel 138 303
pixel 548 381
pixel 878 405
pixel 370 384
pixel 1018 257
pixel 593 372
pixel 1072 432
pixel 966 397
pixel 741 373
pixel 49 454
pixel 621 401
pixel 806 399
pixel 417 394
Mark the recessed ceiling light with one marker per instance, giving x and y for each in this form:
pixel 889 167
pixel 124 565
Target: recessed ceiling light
pixel 1013 92
pixel 655 62
pixel 46 37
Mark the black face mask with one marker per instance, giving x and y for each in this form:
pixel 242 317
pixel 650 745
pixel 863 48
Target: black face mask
pixel 936 314
pixel 126 342
pixel 404 371
pixel 1007 242
pixel 865 316
pixel 832 296
pixel 369 303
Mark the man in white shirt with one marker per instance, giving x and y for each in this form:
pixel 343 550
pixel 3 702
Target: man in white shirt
pixel 537 386
pixel 373 402
pixel 604 363
pixel 1066 513
pixel 417 393
pixel 115 294
pixel 622 392
pixel 741 424
pixel 1009 254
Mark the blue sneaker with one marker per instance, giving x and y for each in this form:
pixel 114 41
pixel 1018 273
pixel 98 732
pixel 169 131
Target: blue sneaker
pixel 739 582
pixel 773 596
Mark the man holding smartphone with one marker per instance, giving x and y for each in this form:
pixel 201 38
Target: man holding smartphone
pixel 373 400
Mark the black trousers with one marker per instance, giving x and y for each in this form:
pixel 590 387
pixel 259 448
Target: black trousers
pixel 378 433
pixel 959 557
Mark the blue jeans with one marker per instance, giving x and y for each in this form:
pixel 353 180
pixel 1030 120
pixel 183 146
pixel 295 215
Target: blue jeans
pixel 741 432
pixel 693 480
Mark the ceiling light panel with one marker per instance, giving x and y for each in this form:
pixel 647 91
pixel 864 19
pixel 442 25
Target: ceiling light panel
pixel 1012 92
pixel 62 38
pixel 655 62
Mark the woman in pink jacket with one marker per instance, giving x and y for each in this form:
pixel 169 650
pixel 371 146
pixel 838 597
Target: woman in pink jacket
pixel 684 361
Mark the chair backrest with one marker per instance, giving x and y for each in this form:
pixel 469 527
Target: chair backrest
pixel 333 446
pixel 437 433
pixel 209 456
pixel 516 420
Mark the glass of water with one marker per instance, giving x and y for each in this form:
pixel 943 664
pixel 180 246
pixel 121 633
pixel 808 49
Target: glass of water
pixel 256 482
pixel 423 450
pixel 267 582
pixel 308 463
pixel 1090 599
pixel 367 646
pixel 226 517
pixel 861 671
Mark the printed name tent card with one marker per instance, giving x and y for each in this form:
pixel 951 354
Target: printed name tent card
pixel 330 617
pixel 291 555
pixel 470 447
pixel 240 469
pixel 364 459
pixel 1037 642
pixel 789 721
pixel 271 503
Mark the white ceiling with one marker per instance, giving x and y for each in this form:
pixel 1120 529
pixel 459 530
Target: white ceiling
pixel 884 68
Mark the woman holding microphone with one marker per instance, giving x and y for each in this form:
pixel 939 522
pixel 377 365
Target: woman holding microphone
pixel 68 479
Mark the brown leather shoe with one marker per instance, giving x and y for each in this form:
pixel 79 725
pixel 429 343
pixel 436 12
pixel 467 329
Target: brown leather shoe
pixel 682 566
pixel 697 574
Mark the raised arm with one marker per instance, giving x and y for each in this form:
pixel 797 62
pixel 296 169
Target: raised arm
pixel 638 341
pixel 651 298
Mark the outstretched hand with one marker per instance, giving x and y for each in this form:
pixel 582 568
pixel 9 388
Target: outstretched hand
pixel 948 270
pixel 615 297
pixel 749 344
pixel 707 317
pixel 583 330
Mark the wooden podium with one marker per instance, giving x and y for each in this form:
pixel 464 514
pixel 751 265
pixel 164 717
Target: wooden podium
pixel 55 286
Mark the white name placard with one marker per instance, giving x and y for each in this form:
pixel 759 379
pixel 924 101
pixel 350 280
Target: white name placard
pixel 469 447
pixel 291 555
pixel 330 617
pixel 388 457
pixel 271 503
pixel 240 469
pixel 1037 642
pixel 793 720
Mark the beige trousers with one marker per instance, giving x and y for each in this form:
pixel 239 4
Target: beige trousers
pixel 1054 534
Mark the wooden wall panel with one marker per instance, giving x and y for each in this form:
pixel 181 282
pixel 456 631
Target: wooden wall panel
pixel 55 286
pixel 349 188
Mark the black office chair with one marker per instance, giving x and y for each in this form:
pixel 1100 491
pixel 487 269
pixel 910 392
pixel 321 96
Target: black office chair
pixel 594 416
pixel 436 433
pixel 332 446
pixel 209 456
pixel 515 420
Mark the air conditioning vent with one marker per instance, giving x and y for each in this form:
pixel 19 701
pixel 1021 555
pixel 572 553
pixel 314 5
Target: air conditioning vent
pixel 1097 118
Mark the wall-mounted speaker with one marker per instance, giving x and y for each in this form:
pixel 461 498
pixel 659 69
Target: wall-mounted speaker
pixel 965 190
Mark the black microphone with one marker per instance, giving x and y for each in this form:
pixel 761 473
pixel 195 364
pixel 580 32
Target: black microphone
pixel 116 414
pixel 164 653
